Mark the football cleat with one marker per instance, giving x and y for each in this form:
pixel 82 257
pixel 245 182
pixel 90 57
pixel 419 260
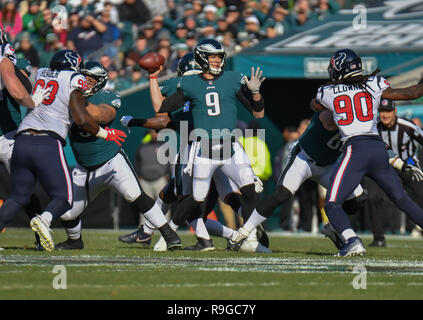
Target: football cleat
pixel 173 242
pixel 378 243
pixel 333 235
pixel 160 245
pixel 70 244
pixel 353 247
pixel 138 236
pixel 42 229
pixel 262 236
pixel 202 245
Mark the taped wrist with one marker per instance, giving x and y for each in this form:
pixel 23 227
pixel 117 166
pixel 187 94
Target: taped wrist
pixel 137 122
pixel 258 105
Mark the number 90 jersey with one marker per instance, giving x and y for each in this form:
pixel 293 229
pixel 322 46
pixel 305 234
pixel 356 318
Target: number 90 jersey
pixel 354 109
pixel 53 113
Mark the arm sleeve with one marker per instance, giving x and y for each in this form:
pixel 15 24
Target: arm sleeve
pixel 173 103
pixel 246 98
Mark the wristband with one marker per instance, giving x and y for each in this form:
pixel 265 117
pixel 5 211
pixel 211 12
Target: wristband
pixel 397 163
pixel 101 133
pixel 136 122
pixel 153 77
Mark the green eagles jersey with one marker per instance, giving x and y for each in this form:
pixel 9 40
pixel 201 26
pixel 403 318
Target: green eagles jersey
pixel 89 150
pixel 213 103
pixel 167 88
pixel 10 112
pixel 321 145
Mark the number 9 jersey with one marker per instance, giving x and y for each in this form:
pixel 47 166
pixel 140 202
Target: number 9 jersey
pixel 53 113
pixel 354 107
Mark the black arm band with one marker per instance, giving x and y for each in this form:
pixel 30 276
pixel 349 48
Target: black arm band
pixel 137 122
pixel 258 105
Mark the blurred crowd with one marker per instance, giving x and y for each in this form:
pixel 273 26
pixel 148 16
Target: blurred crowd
pixel 118 32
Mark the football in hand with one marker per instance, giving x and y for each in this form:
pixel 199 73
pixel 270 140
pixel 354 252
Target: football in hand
pixel 151 61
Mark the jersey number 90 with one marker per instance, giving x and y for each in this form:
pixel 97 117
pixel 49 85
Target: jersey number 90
pixel 212 101
pixel 363 108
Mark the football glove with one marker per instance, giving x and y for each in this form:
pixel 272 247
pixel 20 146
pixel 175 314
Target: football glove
pixel 125 122
pixel 258 185
pixel 110 134
pixel 255 81
pixel 412 172
pixel 39 95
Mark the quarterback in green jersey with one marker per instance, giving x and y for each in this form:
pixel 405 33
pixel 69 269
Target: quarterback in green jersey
pixel 213 96
pixel 102 164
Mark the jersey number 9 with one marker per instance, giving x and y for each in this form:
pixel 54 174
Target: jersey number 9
pixel 212 100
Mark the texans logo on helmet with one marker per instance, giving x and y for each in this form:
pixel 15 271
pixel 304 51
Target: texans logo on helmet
pixel 73 58
pixel 338 61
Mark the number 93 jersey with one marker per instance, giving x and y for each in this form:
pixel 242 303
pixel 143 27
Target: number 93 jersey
pixel 213 102
pixel 53 113
pixel 354 107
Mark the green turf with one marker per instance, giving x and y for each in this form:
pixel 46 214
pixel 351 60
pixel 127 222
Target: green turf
pixel 298 268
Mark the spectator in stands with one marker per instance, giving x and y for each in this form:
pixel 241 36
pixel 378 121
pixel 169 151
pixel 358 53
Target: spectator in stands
pixel 181 32
pixel 85 8
pixel 131 60
pixel 197 6
pixel 111 37
pixel 181 49
pixel 157 23
pixel 113 11
pixel 25 49
pixel 191 40
pixel 74 19
pixel 28 18
pixel 10 19
pixel 207 32
pixel 87 38
pixel 106 61
pixel 302 13
pixel 141 45
pixel 222 26
pixel 244 41
pixel 210 17
pixel 191 24
pixel 277 21
pixel 325 8
pixel 150 35
pixel 166 53
pixel 163 39
pixel 221 8
pixel 52 46
pixel 44 25
pixel 233 18
pixel 252 27
pixel 229 43
pixel 188 11
pixel 134 11
pixel 113 82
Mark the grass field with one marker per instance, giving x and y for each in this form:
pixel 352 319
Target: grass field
pixel 300 267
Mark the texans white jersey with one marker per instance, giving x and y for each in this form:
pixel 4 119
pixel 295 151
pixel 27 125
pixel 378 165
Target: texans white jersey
pixel 6 51
pixel 354 109
pixel 53 113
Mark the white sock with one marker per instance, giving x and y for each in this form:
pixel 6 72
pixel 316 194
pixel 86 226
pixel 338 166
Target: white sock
pixel 348 234
pixel 253 221
pixel 75 232
pixel 47 217
pixel 148 227
pixel 200 229
pixel 155 216
pixel 215 228
pixel 173 226
pixel 163 206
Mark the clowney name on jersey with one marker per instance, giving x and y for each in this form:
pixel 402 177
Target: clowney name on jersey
pixel 354 107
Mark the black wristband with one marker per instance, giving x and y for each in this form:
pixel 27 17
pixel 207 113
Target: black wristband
pixel 137 122
pixel 258 105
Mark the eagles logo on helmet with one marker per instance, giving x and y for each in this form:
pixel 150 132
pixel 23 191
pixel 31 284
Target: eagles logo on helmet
pixel 96 71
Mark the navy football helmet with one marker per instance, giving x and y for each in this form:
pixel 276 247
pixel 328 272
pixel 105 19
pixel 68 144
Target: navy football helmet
pixel 98 72
pixel 206 48
pixel 66 60
pixel 187 65
pixel 344 63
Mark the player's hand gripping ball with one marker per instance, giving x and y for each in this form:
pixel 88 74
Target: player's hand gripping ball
pixel 152 61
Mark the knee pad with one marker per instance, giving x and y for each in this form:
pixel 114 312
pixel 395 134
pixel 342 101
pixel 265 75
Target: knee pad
pixel 143 203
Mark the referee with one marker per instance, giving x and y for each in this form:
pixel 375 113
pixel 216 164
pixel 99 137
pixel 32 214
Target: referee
pixel 404 138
